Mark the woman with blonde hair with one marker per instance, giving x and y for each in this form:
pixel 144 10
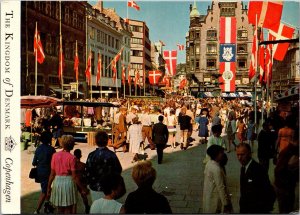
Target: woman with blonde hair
pixel 63 178
pixel 145 199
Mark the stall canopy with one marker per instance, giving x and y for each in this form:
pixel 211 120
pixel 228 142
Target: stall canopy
pixel 89 104
pixel 228 95
pixel 38 101
pixel 208 94
pixel 244 94
pixel 294 91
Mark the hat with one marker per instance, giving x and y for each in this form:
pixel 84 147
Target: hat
pixel 123 108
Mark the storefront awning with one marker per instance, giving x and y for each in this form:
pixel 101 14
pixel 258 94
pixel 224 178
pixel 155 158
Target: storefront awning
pixel 294 91
pixel 208 94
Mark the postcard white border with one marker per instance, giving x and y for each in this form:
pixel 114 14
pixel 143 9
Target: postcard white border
pixel 10 107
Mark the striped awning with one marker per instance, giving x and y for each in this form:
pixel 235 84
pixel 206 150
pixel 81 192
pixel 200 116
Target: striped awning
pixel 208 94
pixel 228 95
pixel 288 93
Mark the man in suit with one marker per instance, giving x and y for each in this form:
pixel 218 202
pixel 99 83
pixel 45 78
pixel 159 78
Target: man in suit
pixel 256 192
pixel 160 137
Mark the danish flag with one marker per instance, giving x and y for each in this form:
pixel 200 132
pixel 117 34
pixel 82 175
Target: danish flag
pixel 180 47
pixel 283 32
pixel 88 68
pixel 123 74
pixel 38 47
pixel 268 13
pixel 137 78
pixel 166 81
pixel 76 63
pixel 60 61
pixel 99 69
pixel 129 76
pixel 171 59
pixel 154 76
pixel 182 83
pixel 252 68
pixel 114 64
pixel 133 4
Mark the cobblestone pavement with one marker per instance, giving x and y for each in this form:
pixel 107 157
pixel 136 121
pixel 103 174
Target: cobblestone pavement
pixel 179 178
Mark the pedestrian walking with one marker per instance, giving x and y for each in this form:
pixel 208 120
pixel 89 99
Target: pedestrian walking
pixel 241 130
pixel 203 126
pixel 42 161
pixel 160 135
pixel 256 192
pixel 251 135
pixel 145 199
pixel 64 179
pixel 184 123
pixel 135 139
pixel 285 134
pixel 216 197
pixel 147 128
pixel 230 129
pixel 100 162
pixel 171 123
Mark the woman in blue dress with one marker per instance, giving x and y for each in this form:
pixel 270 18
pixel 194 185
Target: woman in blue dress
pixel 203 129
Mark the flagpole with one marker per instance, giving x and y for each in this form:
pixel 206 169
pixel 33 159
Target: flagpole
pixel 129 85
pixel 144 78
pixel 124 82
pixel 91 85
pixel 35 74
pixel 100 88
pixel 77 72
pixel 117 83
pixel 60 40
pixel 268 98
pixel 135 84
pixel 272 90
pixel 255 77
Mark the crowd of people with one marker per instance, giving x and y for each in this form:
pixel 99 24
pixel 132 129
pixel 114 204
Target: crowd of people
pixel 139 124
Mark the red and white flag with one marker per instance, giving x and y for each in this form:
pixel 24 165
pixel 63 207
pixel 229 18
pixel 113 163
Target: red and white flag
pixel 227 68
pixel 99 69
pixel 269 64
pixel 133 4
pixel 76 63
pixel 283 32
pixel 128 76
pixel 38 47
pixel 137 78
pixel 113 64
pixel 171 60
pixel 262 59
pixel 268 13
pixel 154 76
pixel 88 68
pixel 123 74
pixel 182 83
pixel 60 61
pixel 180 47
pixel 252 68
pixel 166 81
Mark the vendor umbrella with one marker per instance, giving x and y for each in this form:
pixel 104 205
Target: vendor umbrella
pixel 38 101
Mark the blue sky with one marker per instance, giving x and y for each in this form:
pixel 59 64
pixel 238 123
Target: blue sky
pixel 169 20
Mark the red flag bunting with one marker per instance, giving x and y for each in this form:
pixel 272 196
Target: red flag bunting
pixel 38 47
pixel 154 76
pixel 171 59
pixel 283 32
pixel 99 70
pixel 123 74
pixel 180 47
pixel 60 61
pixel 129 76
pixel 137 78
pixel 133 4
pixel 88 68
pixel 76 64
pixel 252 69
pixel 268 13
pixel 113 64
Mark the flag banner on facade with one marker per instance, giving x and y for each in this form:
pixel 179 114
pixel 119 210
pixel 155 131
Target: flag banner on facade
pixel 123 74
pixel 171 61
pixel 137 78
pixel 180 47
pixel 38 47
pixel 154 76
pixel 268 13
pixel 133 4
pixel 283 32
pixel 114 62
pixel 76 63
pixel 182 83
pixel 60 61
pixel 227 54
pixel 98 77
pixel 88 68
pixel 252 68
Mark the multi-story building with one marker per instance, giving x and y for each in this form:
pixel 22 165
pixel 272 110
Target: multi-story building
pixel 140 54
pixel 107 35
pixel 286 73
pixel 202 43
pixel 47 16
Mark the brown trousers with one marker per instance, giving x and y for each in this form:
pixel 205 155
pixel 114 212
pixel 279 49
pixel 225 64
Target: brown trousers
pixel 119 139
pixel 147 133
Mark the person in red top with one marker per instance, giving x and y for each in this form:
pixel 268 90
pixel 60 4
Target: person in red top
pixel 64 179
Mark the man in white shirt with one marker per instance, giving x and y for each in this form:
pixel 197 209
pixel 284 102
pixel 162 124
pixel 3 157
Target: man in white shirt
pixel 147 127
pixel 131 115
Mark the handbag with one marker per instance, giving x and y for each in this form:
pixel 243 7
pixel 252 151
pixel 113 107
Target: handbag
pixel 33 173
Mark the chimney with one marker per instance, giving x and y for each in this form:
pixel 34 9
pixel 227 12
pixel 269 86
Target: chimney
pixel 99 5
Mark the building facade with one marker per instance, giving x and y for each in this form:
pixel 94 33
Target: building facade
pixel 202 44
pixel 47 16
pixel 140 53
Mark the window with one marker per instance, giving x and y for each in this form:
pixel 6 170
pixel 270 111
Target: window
pixel 211 63
pixel 74 21
pixel 92 33
pixel 117 44
pixel 197 64
pixel 242 63
pixel 197 50
pixel 242 48
pixel 136 28
pixel 135 40
pixel 112 42
pixel 211 48
pixel 211 35
pixel 136 66
pixel 80 22
pixel 242 34
pixel 66 17
pixel 108 40
pixel 136 53
pixel 227 11
pixel 98 36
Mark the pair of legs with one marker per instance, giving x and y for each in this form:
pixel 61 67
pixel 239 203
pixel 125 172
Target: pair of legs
pixel 184 136
pixel 147 133
pixel 159 150
pixel 231 138
pixel 172 140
